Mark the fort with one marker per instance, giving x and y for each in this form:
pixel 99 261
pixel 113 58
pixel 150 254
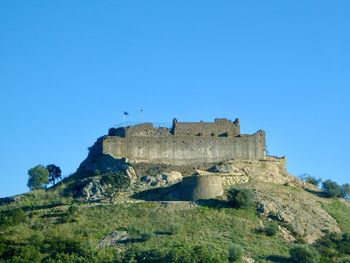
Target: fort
pixel 183 143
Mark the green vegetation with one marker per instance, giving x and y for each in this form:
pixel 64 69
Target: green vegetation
pixel 55 173
pixel 235 253
pixel 38 177
pixel 49 225
pixel 241 198
pixel 116 180
pixel 307 178
pixel 272 228
pixel 332 189
pixel 56 229
pixel 340 211
pixel 304 254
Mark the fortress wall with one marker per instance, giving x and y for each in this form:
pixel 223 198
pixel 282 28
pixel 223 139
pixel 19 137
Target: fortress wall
pixel 219 127
pixel 183 149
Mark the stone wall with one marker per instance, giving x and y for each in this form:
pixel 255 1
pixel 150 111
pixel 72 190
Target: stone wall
pixel 181 150
pixel 221 127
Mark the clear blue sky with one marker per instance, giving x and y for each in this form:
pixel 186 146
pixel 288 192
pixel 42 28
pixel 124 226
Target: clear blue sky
pixel 68 70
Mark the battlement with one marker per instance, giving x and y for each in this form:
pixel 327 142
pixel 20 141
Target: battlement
pixel 219 128
pixel 184 143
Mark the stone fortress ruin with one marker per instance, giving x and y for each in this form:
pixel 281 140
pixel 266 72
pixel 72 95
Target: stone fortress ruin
pixel 196 145
pixel 185 143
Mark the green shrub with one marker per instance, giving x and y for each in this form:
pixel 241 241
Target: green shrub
pixel 117 180
pixel 73 209
pixel 241 198
pixel 331 189
pixel 146 236
pixel 343 245
pixel 177 254
pixel 174 229
pixel 235 253
pixel 310 179
pixel 304 254
pixel 271 229
pixel 71 214
pixel 12 217
pixel 345 259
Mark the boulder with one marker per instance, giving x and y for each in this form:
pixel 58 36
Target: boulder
pixel 163 179
pixel 113 239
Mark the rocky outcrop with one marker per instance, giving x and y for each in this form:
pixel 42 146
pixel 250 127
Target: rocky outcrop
pixel 299 210
pixel 91 189
pixel 163 179
pixel 270 170
pixel 113 239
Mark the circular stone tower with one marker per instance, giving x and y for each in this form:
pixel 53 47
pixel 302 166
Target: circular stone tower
pixel 198 187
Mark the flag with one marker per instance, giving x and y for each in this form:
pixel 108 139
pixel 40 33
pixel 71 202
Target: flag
pixel 126 114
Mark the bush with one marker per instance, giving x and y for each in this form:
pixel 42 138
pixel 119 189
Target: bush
pixel 177 254
pixel 146 236
pixel 241 198
pixel 235 253
pixel 304 254
pixel 117 180
pixel 271 229
pixel 331 189
pixel 71 213
pixel 310 179
pixel 343 245
pixel 12 217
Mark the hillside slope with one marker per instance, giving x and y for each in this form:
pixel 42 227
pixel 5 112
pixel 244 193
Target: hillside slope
pixel 61 225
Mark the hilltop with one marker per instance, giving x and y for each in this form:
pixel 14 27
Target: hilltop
pixel 122 209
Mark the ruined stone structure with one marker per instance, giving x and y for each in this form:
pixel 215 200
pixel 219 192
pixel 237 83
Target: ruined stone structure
pixel 183 143
pixel 197 187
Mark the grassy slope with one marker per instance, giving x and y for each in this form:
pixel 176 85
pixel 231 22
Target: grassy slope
pixel 214 227
pixel 340 211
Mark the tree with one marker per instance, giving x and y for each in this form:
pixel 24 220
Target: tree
pixel 331 189
pixel 55 173
pixel 307 178
pixel 345 190
pixel 38 177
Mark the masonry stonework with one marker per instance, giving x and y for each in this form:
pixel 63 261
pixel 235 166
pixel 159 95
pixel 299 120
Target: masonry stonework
pixel 184 143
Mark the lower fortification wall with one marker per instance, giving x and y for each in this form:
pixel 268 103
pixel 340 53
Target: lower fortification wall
pixel 186 150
